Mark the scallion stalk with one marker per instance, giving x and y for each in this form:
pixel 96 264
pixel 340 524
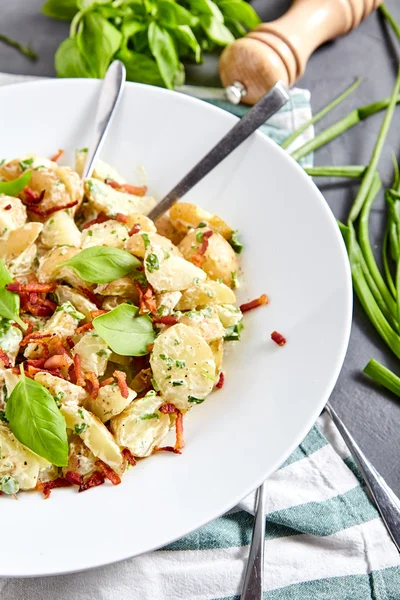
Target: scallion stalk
pixel 332 132
pixel 25 50
pixel 346 171
pixel 391 20
pixel 383 376
pixel 289 140
pixel 376 154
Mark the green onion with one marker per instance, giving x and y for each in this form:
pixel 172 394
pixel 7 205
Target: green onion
pixel 383 376
pixel 355 116
pixel 392 21
pixel 365 246
pixel 26 51
pixel 376 154
pixel 321 114
pixel 385 263
pixel 350 171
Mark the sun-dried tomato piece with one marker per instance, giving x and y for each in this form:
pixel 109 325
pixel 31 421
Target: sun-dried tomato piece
pixel 121 379
pixel 261 301
pixel 47 486
pixel 80 379
pixel 166 320
pixel 108 472
pixel 32 197
pixel 127 454
pixel 168 449
pixel 101 218
pixel 135 229
pixel 5 358
pixel 147 299
pixel 57 155
pixel 278 338
pixel 221 381
pixel 57 361
pixel 83 328
pixel 53 209
pixel 31 287
pixel 90 296
pixel 97 478
pixel 168 409
pixel 180 442
pixel 126 187
pixel 35 336
pixel 74 478
pixel 92 384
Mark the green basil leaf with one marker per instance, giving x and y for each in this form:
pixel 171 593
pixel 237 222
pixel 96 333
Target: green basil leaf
pixel 124 332
pixel 9 301
pixel 240 11
pixel 140 67
pixel 131 28
pixel 99 40
pixel 185 36
pixel 216 30
pixel 70 62
pixel 207 7
pixel 60 9
pixel 13 188
pixel 171 14
pixel 102 264
pixel 164 51
pixel 36 421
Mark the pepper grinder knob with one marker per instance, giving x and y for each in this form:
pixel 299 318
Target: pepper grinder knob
pixel 279 50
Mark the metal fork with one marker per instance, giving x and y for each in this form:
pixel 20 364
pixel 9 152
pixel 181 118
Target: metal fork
pixel 385 500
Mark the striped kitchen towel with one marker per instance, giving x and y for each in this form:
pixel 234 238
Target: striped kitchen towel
pixel 324 539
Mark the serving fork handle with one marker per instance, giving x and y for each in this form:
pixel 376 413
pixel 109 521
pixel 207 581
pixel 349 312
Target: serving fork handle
pixel 387 503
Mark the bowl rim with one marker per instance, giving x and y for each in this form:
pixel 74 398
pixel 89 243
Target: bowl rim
pixel 347 299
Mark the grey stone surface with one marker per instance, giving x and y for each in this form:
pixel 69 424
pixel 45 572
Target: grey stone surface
pixel 372 415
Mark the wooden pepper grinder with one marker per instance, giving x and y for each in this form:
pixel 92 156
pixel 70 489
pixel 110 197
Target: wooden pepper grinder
pixel 279 50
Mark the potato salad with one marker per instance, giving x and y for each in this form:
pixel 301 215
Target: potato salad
pixel 112 327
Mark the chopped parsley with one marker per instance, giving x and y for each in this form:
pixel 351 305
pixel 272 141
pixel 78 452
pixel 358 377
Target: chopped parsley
pixel 207 374
pixel 199 236
pixel 176 342
pixel 102 353
pixel 234 279
pixel 80 413
pixel 90 233
pixel 220 280
pixel 201 224
pixel 152 263
pixel 166 254
pixel 177 382
pixel 170 361
pixel 161 310
pixel 235 242
pixel 81 428
pixel 9 485
pixel 154 384
pixel 194 400
pixel 180 364
pixel 146 240
pixel 232 333
pixel 149 416
pixel 3 417
pixel 24 164
pixel 58 397
pixel 70 309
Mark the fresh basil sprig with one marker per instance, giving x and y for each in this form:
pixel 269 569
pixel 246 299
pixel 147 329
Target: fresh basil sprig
pixel 13 188
pixel 151 37
pixel 102 264
pixel 9 301
pixel 36 421
pixel 124 332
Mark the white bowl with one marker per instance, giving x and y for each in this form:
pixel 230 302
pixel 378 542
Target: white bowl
pixel 272 395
